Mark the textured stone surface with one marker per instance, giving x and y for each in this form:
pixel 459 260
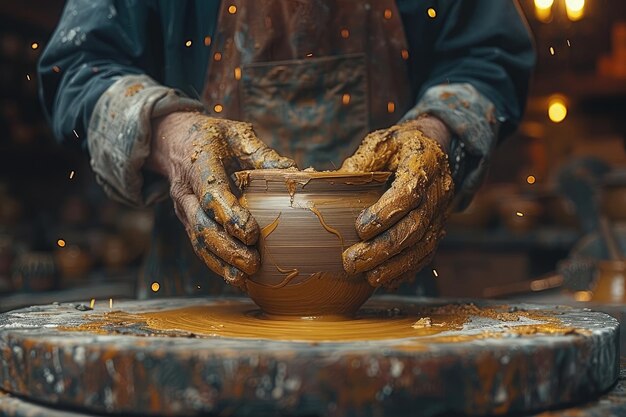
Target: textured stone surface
pixel 182 374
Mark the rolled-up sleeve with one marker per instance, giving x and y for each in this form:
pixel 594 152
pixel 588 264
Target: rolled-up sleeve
pixel 97 81
pixel 481 64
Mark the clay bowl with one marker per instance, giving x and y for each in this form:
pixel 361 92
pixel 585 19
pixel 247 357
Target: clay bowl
pixel 307 220
pixel 613 196
pixel 610 286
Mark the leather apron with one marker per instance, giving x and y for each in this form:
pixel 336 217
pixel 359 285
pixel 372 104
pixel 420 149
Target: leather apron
pixel 313 77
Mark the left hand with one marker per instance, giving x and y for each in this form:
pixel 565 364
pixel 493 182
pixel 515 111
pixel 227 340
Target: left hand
pixel 400 231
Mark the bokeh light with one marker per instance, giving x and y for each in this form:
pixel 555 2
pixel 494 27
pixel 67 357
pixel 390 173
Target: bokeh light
pixel 557 110
pixel 575 9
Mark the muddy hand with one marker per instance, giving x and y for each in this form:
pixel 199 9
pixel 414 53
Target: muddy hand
pixel 196 153
pixel 400 232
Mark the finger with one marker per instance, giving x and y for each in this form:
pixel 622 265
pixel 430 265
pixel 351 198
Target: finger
pixel 211 241
pixel 404 233
pixel 210 183
pixel 417 170
pixel 411 259
pixel 251 151
pixel 231 274
pixel 365 255
pixel 374 153
pixel 404 195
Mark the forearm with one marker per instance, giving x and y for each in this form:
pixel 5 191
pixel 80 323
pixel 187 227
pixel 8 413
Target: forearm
pixel 120 132
pixel 473 130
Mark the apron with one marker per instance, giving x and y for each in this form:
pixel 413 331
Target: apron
pixel 313 77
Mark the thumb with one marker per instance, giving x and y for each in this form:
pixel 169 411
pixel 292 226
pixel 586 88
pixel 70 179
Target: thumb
pixel 251 151
pixel 373 154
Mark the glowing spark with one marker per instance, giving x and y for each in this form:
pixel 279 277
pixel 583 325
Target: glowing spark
pixel 519 214
pixel 198 287
pixel 568 44
pixel 551 51
pixel 92 303
pixel 207 41
pixel 531 179
pixel 218 108
pixel 432 13
pixel 155 286
pixel 345 99
pixel 435 273
pixel 391 107
pixel 75 134
pixel 217 56
pixel 56 69
pixel 188 43
pixel 583 296
pixel 387 14
pixel 110 303
pixel 405 54
pixel 237 73
pixel 71 174
pixel 309 55
pixel 28 77
pixel 232 9
pixel 34 45
pixel 61 243
pixel 345 33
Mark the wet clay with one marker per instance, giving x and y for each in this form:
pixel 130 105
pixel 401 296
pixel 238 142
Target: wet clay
pixel 291 273
pixel 379 320
pixel 307 220
pixel 325 225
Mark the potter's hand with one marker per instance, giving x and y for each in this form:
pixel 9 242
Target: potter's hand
pixel 195 152
pixel 400 232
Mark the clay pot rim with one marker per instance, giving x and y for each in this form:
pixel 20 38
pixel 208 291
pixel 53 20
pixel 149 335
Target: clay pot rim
pixel 283 175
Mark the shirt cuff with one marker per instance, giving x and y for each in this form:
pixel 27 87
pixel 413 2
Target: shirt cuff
pixel 471 117
pixel 119 134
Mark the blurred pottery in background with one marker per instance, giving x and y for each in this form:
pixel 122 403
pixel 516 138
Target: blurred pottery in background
pixel 307 220
pixel 613 196
pixel 135 227
pixel 477 215
pixel 6 261
pixel 115 253
pixel 610 286
pixel 34 271
pixel 73 263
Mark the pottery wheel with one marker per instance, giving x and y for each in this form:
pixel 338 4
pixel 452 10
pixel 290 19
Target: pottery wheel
pixel 400 356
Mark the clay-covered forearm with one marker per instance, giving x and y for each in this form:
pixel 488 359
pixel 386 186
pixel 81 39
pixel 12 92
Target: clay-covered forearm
pixel 119 136
pixel 471 118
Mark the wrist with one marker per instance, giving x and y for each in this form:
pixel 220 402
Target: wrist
pixel 434 128
pixel 168 133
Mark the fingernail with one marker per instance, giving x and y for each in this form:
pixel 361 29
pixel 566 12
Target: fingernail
pixel 234 276
pixel 349 264
pixel 281 163
pixel 366 223
pixel 242 225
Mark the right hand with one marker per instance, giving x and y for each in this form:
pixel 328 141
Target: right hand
pixel 196 153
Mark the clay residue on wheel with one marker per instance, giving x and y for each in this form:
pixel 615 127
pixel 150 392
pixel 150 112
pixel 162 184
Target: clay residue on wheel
pixel 378 320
